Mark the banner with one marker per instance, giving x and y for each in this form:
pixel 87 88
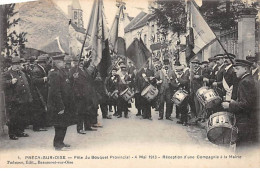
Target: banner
pixel 203 35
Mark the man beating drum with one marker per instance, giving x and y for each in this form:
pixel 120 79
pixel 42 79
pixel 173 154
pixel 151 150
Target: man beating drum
pixel 244 106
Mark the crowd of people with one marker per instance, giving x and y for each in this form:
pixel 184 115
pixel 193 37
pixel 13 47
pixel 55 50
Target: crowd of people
pixel 52 91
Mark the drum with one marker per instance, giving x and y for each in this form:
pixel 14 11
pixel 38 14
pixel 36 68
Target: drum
pixel 208 97
pixel 179 96
pixel 127 94
pixel 150 92
pixel 221 128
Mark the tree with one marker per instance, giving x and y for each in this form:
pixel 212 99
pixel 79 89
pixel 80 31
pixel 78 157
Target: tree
pixel 223 15
pixel 170 16
pixel 14 43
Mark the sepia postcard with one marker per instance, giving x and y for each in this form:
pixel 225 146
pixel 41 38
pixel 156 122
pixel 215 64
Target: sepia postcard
pixel 129 84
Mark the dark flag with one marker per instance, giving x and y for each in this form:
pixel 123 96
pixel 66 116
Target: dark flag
pixel 138 53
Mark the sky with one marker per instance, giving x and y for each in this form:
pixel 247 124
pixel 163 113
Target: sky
pixel 133 8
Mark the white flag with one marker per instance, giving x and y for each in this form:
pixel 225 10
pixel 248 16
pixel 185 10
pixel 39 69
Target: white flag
pixel 203 35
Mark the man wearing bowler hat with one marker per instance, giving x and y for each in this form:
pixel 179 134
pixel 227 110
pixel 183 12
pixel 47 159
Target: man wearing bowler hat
pixel 18 99
pixel 40 93
pixel 60 101
pixel 244 106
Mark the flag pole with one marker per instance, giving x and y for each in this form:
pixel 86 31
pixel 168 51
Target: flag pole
pixel 196 6
pixel 86 35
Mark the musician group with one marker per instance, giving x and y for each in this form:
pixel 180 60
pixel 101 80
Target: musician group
pixel 54 91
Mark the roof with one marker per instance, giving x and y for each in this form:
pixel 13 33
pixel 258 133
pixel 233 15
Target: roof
pixel 56 46
pixel 78 29
pixel 135 21
pixel 75 4
pixel 142 22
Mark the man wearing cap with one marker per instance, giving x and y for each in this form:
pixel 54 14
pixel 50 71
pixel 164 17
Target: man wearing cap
pixel 255 67
pixel 18 99
pixel 111 84
pixel 123 85
pixel 182 81
pixel 196 83
pixel 243 107
pixel 145 77
pixel 165 81
pixel 213 68
pixel 220 60
pixel 60 101
pixel 39 89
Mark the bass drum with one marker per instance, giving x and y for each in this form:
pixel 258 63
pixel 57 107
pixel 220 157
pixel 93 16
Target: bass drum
pixel 150 93
pixel 179 96
pixel 221 128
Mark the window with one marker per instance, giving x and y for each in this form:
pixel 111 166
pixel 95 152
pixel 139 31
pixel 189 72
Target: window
pixel 75 15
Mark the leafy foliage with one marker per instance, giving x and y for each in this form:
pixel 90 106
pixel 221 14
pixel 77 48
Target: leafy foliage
pixel 15 42
pixel 170 16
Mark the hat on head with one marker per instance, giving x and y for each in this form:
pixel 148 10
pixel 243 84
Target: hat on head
pixel 122 66
pixel 16 59
pixel 155 59
pixel 211 59
pixel 251 58
pixel 179 68
pixel 242 62
pixel 121 63
pixel 31 59
pixel 58 57
pixel 230 55
pixel 195 61
pixel 204 62
pixel 219 56
pixel 42 58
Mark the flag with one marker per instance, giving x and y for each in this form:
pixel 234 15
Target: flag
pixel 138 53
pixel 202 33
pixel 97 35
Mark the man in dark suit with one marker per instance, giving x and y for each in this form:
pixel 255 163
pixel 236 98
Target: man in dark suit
pixel 220 60
pixel 18 99
pixel 85 95
pixel 60 101
pixel 213 68
pixel 255 67
pixel 39 90
pixel 244 106
pixel 145 77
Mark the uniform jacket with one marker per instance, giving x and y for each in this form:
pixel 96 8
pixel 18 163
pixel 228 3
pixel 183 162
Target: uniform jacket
pixel 246 101
pixel 37 82
pixel 123 82
pixel 60 97
pixel 219 76
pixel 18 92
pixel 231 79
pixel 212 75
